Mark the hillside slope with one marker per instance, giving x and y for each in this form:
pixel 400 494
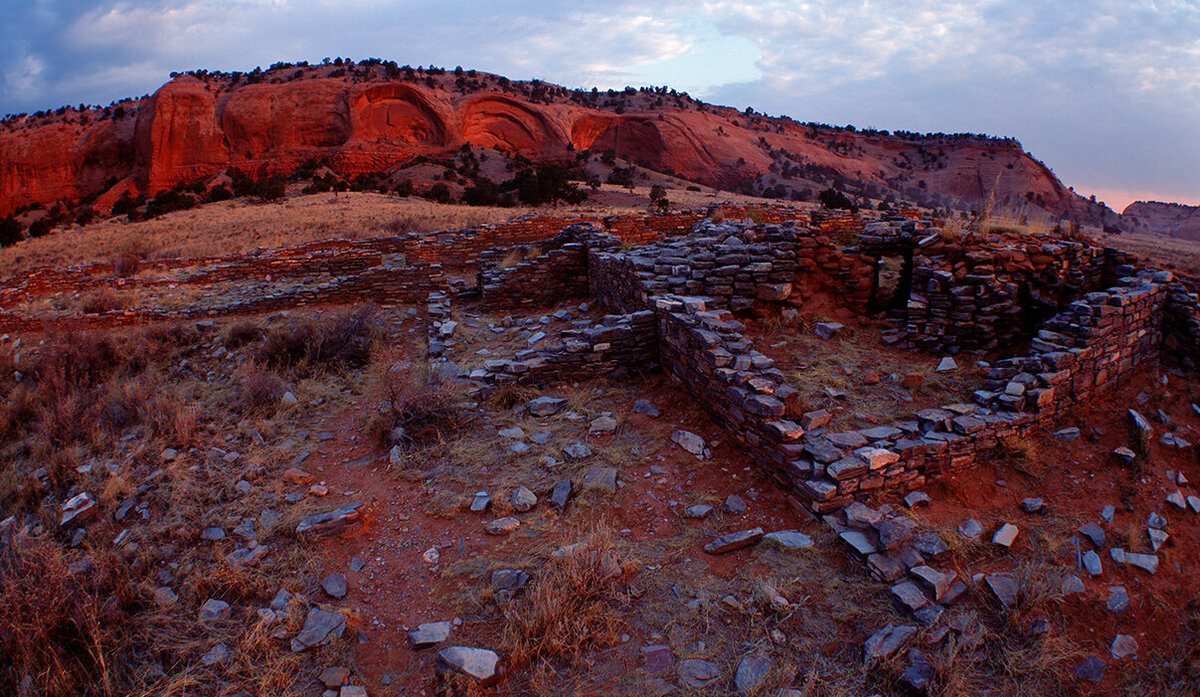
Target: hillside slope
pixel 1171 219
pixel 375 116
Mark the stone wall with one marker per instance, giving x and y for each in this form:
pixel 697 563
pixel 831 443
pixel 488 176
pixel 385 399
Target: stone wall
pixel 542 274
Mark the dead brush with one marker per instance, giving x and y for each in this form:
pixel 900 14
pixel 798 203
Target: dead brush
pixel 342 341
pixel 63 630
pixel 1172 670
pixel 258 389
pixel 100 301
pixel 427 412
pixel 572 606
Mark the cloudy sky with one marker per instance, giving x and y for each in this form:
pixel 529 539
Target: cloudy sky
pixel 1106 92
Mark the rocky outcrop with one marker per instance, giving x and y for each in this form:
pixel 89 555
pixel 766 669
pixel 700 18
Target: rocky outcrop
pixel 198 125
pixel 1170 219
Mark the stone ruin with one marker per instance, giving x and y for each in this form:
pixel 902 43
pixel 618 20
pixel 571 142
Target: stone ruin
pixel 1089 316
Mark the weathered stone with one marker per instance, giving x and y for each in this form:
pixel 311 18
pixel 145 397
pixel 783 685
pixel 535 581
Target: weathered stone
pixel 937 583
pixel 334 677
pixel 1006 535
pixel 1146 562
pixel 791 540
pixel 893 533
pixel 601 479
pixel 561 494
pixel 1090 669
pixel 946 364
pixel 695 673
pixel 480 502
pixel 217 655
pixel 502 526
pixel 1033 505
pixel 334 585
pixel 645 406
pixel 886 643
pixel 690 442
pixel 1157 538
pixel 429 634
pixel 602 425
pixel 1091 563
pixel 214 610
pixel 907 595
pixel 320 626
pixel 78 510
pixel 815 419
pixel 656 658
pixel 1072 585
pixel 1004 587
pixel 859 541
pixel 859 515
pixel 734 540
pixel 576 451
pixel 700 510
pixel 734 505
pixel 332 522
pixel 511 580
pixel 913 499
pixel 481 664
pixel 826 330
pixel 751 673
pixel 1118 600
pixel 523 499
pixel 545 406
pixel 1093 532
pixel 918 675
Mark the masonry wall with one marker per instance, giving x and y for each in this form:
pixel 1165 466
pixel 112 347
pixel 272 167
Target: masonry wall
pixel 543 274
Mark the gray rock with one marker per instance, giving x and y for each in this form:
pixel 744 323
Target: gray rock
pixel 700 510
pixel 970 529
pixel 165 598
pixel 893 533
pixel 545 406
pixel 826 330
pixel 946 364
pixel 1118 600
pixel 886 643
pixel 601 479
pixel 281 599
pixel 320 626
pixel 791 540
pixel 1107 513
pixel 1072 585
pixel 1090 669
pixel 645 406
pixel 79 509
pixel 1091 563
pixel 695 673
pixel 914 499
pixel 734 540
pixel 214 610
pixel 1004 587
pixel 334 677
pixel 1124 455
pixel 502 526
pixel 429 633
pixel 515 432
pixel 936 583
pixel 517 447
pixel 511 580
pixel 1156 521
pixel 861 516
pixel 734 505
pixel 908 596
pixel 1157 538
pixel 1033 505
pixel 1123 646
pixel 656 658
pixel 918 675
pixel 1117 554
pixel 602 425
pixel 1006 535
pixel 334 585
pixel 523 499
pixel 1093 532
pixel 1177 500
pixel 1146 562
pixel 212 534
pixel 576 451
pixel 540 436
pixel 751 673
pixel 1069 433
pixel 480 502
pixel 859 542
pixel 561 494
pixel 480 664
pixel 690 442
pixel 331 522
pixel 217 655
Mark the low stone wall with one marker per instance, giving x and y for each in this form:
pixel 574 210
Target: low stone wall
pixel 626 342
pixel 1084 350
pixel 541 275
pixel 736 267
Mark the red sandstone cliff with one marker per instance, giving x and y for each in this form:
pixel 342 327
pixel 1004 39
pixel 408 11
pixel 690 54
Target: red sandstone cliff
pixel 371 120
pixel 1171 219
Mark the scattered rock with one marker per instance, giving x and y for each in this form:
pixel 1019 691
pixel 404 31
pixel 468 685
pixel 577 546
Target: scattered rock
pixel 212 534
pixel 815 419
pixel 1091 563
pixel 751 672
pixel 334 585
pixel 970 529
pixel 320 626
pixel 1177 500
pixel 645 406
pixel 1033 505
pixel 1004 587
pixel 481 664
pixel 214 610
pixel 918 675
pixel 602 479
pixel 1006 535
pixel 217 655
pixel 913 499
pixel 734 540
pixel 946 364
pixel 734 505
pixel 576 451
pixel 1071 585
pixel 690 442
pixel 1124 646
pixel 826 330
pixel 602 425
pixel 334 677
pixel 429 633
pixel 78 510
pixel 695 673
pixel 656 658
pixel 545 406
pixel 1093 532
pixel 511 580
pixel 561 494
pixel 523 499
pixel 907 595
pixel 1146 562
pixel 700 510
pixel 886 643
pixel 165 597
pixel 502 526
pixel 332 522
pixel 791 540
pixel 1091 669
pixel 1118 600
pixel 912 381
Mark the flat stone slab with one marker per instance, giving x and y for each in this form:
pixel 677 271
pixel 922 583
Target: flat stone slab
pixel 751 672
pixel 1123 646
pixel 480 664
pixel 502 526
pixel 690 442
pixel 734 540
pixel 792 540
pixel 695 673
pixel 429 633
pixel 332 522
pixel 886 643
pixel 320 626
pixel 1146 562
pixel 907 595
pixel 1004 587
pixel 826 330
pixel 1090 669
pixel 1118 600
pixel 602 479
pixel 1093 532
pixel 859 542
pixel 1006 535
pixel 545 406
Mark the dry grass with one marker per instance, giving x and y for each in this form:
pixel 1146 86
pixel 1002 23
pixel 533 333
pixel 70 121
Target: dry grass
pixel 344 340
pixel 573 605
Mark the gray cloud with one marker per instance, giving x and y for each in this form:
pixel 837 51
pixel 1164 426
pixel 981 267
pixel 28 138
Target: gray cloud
pixel 1105 92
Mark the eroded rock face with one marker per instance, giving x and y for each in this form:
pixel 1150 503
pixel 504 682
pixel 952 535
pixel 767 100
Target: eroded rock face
pixel 191 129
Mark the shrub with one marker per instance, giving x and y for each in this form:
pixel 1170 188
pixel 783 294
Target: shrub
pixel 344 340
pixel 438 193
pixel 259 390
pixel 242 333
pixel 10 231
pixel 832 198
pixel 219 193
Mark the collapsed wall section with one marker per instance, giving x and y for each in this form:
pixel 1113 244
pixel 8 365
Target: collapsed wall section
pixel 542 274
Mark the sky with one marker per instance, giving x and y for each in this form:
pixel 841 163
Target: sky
pixel 1105 92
